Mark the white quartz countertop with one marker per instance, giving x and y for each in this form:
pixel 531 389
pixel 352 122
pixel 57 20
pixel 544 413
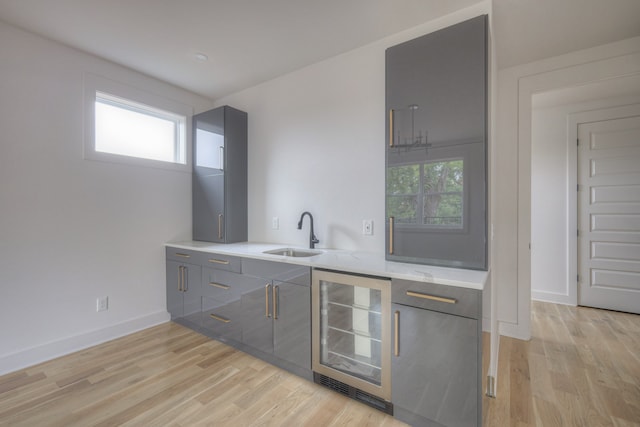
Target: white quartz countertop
pixel 369 263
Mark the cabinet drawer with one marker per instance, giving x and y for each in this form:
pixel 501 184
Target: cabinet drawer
pixel 222 318
pixel 280 271
pixel 183 255
pixel 225 286
pixel 442 298
pixel 222 262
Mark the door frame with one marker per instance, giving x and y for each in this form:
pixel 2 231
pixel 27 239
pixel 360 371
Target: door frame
pixel 573 121
pixel 528 85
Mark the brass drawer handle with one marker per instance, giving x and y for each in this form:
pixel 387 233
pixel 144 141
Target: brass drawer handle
pixel 431 297
pixel 219 261
pixel 396 343
pixel 219 285
pixel 183 255
pixel 266 300
pixel 390 128
pixel 391 224
pixel 220 318
pixel 276 296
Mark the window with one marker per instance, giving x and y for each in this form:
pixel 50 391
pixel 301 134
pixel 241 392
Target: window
pixel 129 129
pixel 126 125
pixel 427 194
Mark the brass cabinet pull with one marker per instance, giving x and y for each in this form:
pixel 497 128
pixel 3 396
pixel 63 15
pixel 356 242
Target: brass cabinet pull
pixel 219 318
pixel 391 128
pixel 266 300
pixel 391 223
pixel 396 343
pixel 219 285
pixel 183 255
pixel 180 278
pixel 276 295
pixel 220 217
pixel 219 261
pixel 185 279
pixel 431 297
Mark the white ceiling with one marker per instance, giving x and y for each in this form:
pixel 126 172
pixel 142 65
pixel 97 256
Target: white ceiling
pixel 251 41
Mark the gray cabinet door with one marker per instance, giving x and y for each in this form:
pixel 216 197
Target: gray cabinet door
pixel 434 375
pixel 174 289
pixel 222 319
pixel 292 323
pixel 219 182
pixel 436 99
pixel 184 291
pixel 257 316
pixel 208 207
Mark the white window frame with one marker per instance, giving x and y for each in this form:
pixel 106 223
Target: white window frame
pixel 96 86
pixel 421 195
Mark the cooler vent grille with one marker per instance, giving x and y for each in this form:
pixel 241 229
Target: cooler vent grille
pixel 354 393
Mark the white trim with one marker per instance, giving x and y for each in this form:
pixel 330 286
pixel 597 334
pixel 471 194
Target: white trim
pixel 34 355
pixel 573 74
pixel 94 83
pixel 553 297
pixel 514 330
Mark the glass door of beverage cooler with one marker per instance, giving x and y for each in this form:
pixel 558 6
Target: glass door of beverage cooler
pixel 351 330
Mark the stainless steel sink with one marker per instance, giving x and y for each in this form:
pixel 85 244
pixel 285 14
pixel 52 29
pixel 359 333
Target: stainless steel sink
pixel 293 252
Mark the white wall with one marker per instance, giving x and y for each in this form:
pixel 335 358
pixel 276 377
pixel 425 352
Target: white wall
pixel 511 264
pixel 73 229
pixel 551 162
pixel 316 143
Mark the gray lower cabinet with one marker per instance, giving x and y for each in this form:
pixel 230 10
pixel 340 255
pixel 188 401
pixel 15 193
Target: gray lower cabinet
pixel 257 324
pixel 261 307
pixel 183 291
pixel 276 313
pixel 292 325
pixel 277 319
pixel 221 303
pixel 436 355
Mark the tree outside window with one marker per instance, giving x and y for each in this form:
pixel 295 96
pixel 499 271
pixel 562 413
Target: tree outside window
pixel 427 194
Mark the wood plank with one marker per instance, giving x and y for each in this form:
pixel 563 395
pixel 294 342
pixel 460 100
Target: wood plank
pixel 581 367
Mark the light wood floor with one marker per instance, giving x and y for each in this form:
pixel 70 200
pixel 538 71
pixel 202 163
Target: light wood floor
pixel 582 368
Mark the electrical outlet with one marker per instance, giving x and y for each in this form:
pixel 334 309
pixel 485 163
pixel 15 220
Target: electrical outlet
pixel 367 227
pixel 275 223
pixel 102 304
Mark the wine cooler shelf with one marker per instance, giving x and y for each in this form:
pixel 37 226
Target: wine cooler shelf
pixel 351 331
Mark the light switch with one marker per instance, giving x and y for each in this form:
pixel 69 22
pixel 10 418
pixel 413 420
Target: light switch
pixel 367 227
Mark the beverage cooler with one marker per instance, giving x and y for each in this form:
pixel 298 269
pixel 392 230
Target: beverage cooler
pixel 351 333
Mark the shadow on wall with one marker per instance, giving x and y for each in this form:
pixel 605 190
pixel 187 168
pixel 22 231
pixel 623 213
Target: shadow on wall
pixel 347 237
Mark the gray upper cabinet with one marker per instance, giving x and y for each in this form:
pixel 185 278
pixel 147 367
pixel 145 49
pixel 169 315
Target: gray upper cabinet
pixel 220 175
pixel 436 147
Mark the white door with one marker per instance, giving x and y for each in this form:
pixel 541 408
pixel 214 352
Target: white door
pixel 609 214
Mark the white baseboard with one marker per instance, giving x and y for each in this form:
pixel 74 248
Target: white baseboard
pixel 514 330
pixel 34 355
pixel 486 324
pixel 551 297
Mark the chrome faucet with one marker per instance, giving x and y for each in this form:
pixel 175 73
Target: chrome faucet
pixel 312 237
